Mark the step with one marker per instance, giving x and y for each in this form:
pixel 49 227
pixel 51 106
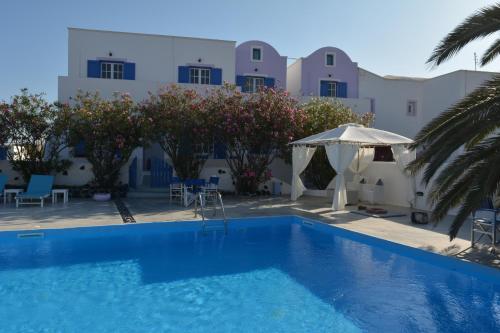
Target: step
pixel 147 194
pixel 150 189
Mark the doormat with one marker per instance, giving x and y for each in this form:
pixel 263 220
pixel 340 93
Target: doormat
pixel 388 214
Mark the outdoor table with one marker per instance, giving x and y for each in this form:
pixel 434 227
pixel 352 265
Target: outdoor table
pixel 63 191
pixel 7 194
pixel 191 185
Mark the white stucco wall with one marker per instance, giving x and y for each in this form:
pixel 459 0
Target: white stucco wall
pixel 294 78
pixel 433 96
pixel 358 105
pixel 390 99
pixel 395 183
pixel 156 59
pixel 443 91
pixel 80 173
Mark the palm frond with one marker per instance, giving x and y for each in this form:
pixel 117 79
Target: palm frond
pixel 465 123
pixel 491 53
pixel 466 181
pixel 480 24
pixel 485 184
pixel 462 166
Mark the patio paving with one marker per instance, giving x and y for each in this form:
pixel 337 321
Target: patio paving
pixel 81 213
pixel 76 213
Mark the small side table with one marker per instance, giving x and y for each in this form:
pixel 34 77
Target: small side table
pixel 8 193
pixel 63 191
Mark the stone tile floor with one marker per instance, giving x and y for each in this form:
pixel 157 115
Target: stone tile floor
pixel 78 213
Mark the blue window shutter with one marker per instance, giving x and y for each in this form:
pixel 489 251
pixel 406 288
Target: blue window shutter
pixel 323 88
pixel 216 76
pixel 79 149
pixel 129 71
pixel 93 68
pixel 269 82
pixel 342 89
pixel 240 81
pixel 219 151
pixel 3 153
pixel 183 74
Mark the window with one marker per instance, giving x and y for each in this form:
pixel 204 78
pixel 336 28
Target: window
pixel 330 59
pixel 110 70
pixel 199 75
pixel 328 89
pixel 256 54
pixel 383 154
pixel 411 108
pixel 253 84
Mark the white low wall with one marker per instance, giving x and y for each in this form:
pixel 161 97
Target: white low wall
pixel 395 183
pixel 80 173
pixel 281 172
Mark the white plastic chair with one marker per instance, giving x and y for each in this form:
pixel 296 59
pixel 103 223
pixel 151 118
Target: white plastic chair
pixel 176 190
pixel 485 221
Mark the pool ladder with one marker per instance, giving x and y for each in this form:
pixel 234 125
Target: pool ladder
pixel 201 200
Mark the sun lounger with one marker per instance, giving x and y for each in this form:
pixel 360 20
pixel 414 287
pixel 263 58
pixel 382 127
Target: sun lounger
pixel 39 188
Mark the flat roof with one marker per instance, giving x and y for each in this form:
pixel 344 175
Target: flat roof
pixel 152 35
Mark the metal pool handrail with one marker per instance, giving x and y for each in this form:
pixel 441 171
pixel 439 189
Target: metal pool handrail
pixel 202 201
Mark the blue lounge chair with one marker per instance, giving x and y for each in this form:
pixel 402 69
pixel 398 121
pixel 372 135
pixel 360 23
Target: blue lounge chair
pixel 3 181
pixel 39 188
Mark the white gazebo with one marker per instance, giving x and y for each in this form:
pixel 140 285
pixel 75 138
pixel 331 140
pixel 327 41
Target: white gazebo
pixel 349 146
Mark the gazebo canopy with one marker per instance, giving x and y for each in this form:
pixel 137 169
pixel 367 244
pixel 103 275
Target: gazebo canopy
pixel 344 146
pixel 354 134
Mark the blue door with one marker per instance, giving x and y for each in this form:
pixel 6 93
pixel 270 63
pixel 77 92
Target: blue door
pixel 161 173
pixel 132 174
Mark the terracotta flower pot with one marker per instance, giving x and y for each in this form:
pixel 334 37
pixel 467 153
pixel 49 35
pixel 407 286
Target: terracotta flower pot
pixel 102 196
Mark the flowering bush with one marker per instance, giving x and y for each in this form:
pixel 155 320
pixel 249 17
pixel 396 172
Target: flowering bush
pixel 179 123
pixel 35 132
pixel 110 130
pixel 321 115
pixel 255 128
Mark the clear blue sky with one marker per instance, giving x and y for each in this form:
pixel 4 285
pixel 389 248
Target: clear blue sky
pixel 385 36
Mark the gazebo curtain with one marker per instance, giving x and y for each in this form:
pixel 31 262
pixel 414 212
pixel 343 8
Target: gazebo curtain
pixel 340 157
pixel 363 158
pixel 403 156
pixel 300 159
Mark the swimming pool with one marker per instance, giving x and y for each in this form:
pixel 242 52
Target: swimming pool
pixel 279 274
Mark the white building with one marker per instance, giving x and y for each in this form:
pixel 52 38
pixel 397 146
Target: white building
pixel 109 62
pixel 404 104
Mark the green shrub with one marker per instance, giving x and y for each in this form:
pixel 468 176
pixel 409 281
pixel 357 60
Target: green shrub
pixel 323 114
pixel 35 133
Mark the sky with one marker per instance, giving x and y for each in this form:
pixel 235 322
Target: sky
pixel 387 37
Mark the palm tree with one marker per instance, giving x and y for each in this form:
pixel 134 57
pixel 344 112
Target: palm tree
pixel 461 147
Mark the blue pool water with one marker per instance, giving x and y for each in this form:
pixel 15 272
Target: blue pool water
pixel 267 275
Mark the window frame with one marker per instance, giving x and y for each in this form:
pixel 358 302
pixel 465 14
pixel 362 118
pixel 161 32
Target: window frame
pixel 261 53
pixel 329 83
pixel 200 75
pixel 111 74
pixel 409 103
pixel 332 87
pixel 334 59
pixel 254 87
